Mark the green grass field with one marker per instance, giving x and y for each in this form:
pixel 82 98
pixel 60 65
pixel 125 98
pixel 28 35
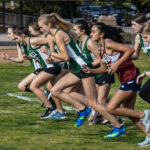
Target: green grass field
pixel 22 129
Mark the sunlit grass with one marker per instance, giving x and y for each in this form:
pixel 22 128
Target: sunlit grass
pixel 22 129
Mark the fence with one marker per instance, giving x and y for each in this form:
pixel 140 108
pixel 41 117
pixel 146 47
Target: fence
pixel 14 19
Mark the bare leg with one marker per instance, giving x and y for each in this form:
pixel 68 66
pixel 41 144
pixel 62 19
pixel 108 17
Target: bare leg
pixel 79 97
pixel 91 97
pixel 57 101
pixel 26 81
pixel 67 81
pixel 103 92
pixel 130 104
pixel 41 79
pixel 77 93
pixel 120 97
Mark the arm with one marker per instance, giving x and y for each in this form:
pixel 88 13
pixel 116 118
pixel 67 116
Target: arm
pixel 100 70
pixel 63 55
pixel 52 60
pixel 20 58
pixel 51 42
pixel 38 41
pixel 128 51
pixel 137 47
pixel 20 55
pixel 93 48
pixel 96 63
pixel 147 73
pixel 141 76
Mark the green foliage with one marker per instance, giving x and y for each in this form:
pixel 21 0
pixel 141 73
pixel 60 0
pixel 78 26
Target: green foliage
pixel 35 7
pixel 140 4
pixel 101 3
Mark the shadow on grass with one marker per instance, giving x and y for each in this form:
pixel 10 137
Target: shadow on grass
pixel 7 148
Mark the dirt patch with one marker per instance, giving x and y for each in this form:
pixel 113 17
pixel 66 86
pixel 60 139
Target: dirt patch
pixel 10 52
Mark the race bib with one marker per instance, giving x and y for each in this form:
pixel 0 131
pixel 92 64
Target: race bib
pixel 106 59
pixel 33 54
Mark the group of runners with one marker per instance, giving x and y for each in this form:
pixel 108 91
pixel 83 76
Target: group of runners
pixel 75 63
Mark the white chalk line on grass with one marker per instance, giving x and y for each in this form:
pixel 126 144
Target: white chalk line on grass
pixel 34 100
pixel 23 97
pixel 37 100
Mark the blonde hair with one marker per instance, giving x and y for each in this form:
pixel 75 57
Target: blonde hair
pixel 146 28
pixel 56 22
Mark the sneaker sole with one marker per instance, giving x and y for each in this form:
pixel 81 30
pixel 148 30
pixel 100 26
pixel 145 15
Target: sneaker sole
pixel 45 117
pixel 59 118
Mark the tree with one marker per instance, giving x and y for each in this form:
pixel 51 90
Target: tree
pixel 65 8
pixel 141 4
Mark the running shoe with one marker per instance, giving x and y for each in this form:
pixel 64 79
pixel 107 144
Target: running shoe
pixel 93 115
pixel 146 120
pixel 58 115
pixel 97 120
pixel 49 112
pixel 145 143
pixel 116 132
pixel 82 116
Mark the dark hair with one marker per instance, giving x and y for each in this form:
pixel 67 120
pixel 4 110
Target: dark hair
pixel 139 18
pixel 13 27
pixel 110 32
pixel 83 25
pixel 35 26
pixel 21 30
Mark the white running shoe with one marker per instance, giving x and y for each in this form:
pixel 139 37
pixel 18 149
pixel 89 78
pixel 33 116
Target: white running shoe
pixel 49 112
pixel 92 115
pixel 145 143
pixel 146 120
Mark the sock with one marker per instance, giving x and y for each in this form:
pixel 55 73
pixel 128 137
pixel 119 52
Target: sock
pixel 48 95
pixel 27 88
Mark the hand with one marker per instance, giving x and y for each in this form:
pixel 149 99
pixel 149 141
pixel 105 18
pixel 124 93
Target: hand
pixel 25 57
pixel 5 56
pixel 140 78
pixel 103 67
pixel 112 68
pixel 86 69
pixel 49 60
